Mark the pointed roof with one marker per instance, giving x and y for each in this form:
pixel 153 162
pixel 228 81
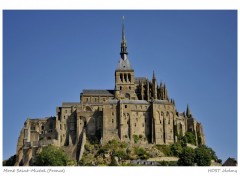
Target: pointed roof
pixel 123 52
pixel 188 112
pixel 161 84
pixel 124 63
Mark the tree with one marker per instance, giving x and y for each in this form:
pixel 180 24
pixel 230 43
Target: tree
pixel 51 156
pixel 10 162
pixel 202 156
pixel 187 157
pixel 190 138
pixel 176 149
pixel 211 152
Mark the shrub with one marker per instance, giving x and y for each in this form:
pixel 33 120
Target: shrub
pixel 202 156
pixel 51 156
pixel 187 157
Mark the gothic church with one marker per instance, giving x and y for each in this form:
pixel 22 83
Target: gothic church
pixel 137 106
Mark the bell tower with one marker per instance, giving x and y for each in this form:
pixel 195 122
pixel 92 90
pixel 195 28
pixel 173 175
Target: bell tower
pixel 124 74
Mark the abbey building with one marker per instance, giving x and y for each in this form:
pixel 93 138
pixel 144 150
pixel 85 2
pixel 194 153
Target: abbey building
pixel 137 106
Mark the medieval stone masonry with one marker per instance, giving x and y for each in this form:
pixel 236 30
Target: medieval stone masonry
pixel 137 106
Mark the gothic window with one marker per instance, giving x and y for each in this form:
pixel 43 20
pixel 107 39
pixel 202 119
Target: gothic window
pixel 112 113
pixel 168 120
pixel 120 87
pixel 42 127
pixel 125 106
pixel 125 77
pixel 129 87
pixel 112 121
pixel 129 77
pixel 121 77
pixel 127 96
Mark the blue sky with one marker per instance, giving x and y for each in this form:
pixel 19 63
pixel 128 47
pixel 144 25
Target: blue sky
pixel 50 56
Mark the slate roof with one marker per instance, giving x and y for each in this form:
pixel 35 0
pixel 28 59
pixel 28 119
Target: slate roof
pixel 98 92
pixel 124 64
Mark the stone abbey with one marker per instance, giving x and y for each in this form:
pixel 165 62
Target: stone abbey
pixel 137 106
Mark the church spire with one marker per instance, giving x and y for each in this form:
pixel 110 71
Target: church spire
pixel 188 112
pixel 123 52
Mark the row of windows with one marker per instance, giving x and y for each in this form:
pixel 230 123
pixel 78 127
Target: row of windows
pixel 124 77
pixel 95 99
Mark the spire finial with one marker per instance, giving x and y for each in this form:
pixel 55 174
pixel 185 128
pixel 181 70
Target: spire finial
pixel 123 32
pixel 123 52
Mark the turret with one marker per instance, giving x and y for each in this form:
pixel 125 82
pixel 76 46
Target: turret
pixel 154 86
pixel 188 112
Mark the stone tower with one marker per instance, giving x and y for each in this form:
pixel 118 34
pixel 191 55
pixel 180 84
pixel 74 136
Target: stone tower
pixel 124 74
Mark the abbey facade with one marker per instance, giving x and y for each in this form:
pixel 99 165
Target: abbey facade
pixel 136 108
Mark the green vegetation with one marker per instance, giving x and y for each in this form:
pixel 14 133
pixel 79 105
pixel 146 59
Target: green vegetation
pixel 166 149
pixel 141 153
pixel 116 153
pixel 10 162
pixel 187 157
pixel 135 138
pixel 176 149
pixel 52 156
pixel 202 156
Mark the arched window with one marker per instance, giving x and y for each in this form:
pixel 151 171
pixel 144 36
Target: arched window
pixel 120 87
pixel 125 77
pixel 129 77
pixel 127 96
pixel 121 77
